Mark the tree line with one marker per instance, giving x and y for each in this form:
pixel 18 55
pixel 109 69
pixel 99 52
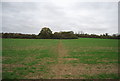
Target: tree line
pixel 46 33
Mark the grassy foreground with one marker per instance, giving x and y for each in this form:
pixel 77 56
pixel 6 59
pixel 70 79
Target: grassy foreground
pixel 84 58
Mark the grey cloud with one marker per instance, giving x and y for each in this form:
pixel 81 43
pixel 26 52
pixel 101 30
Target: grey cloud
pixel 30 17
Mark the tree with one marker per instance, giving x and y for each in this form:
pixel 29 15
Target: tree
pixel 45 33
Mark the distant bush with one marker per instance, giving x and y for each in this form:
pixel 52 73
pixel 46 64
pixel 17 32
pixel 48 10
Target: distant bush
pixel 19 35
pixel 103 36
pixel 46 33
pixel 64 35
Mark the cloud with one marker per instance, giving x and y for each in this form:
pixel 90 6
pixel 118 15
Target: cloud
pixel 30 17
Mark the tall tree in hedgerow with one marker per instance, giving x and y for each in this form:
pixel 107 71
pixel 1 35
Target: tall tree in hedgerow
pixel 45 33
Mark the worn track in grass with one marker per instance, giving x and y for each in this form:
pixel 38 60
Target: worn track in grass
pixel 59 69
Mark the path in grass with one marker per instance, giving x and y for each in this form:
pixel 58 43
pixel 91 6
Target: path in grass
pixel 60 69
pixel 62 52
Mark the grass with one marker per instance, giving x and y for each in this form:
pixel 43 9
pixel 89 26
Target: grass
pixel 29 58
pixel 98 76
pixel 102 76
pixel 30 53
pixel 92 51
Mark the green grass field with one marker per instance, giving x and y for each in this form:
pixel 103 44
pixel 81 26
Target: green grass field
pixel 84 58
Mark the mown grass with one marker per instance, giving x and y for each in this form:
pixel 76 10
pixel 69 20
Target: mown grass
pixel 27 58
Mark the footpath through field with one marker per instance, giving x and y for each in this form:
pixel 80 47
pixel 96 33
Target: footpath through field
pixel 60 68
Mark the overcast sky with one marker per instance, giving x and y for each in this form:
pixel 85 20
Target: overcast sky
pixel 89 17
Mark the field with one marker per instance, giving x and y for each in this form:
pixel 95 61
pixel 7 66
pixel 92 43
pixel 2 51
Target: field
pixel 84 58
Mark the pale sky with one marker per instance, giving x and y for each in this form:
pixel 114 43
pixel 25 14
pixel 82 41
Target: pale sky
pixel 72 15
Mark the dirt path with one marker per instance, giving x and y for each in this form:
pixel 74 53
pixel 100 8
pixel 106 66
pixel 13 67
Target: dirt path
pixel 62 52
pixel 59 69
